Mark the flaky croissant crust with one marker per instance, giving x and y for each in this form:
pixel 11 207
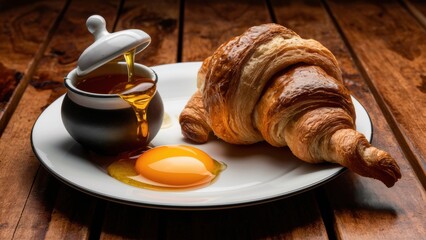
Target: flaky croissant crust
pixel 269 84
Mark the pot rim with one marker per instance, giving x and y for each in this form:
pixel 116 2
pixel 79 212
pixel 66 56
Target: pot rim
pixel 98 100
pixel 73 77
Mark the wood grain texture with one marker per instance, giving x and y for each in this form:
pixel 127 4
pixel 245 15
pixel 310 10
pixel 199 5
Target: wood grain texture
pixel 30 206
pixel 277 220
pixel 55 211
pixel 391 48
pixel 209 24
pixel 160 19
pixel 25 27
pixel 74 215
pixel 18 51
pixel 18 164
pixel 417 9
pixel 141 223
pixel 351 195
pixel 131 222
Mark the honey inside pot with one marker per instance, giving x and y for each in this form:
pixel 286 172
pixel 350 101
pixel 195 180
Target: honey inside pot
pixel 105 83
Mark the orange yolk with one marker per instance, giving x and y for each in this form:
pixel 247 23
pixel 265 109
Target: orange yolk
pixel 176 166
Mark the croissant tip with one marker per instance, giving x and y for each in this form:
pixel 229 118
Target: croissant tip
pixel 391 171
pixel 377 164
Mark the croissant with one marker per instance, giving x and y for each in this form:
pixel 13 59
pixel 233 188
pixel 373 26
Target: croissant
pixel 269 84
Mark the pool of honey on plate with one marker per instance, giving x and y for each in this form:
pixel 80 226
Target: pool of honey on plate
pixel 174 167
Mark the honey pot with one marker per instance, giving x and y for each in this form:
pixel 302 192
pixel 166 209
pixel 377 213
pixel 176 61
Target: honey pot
pixel 112 106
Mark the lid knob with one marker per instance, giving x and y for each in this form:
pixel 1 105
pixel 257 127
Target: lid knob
pixel 97 26
pixel 108 46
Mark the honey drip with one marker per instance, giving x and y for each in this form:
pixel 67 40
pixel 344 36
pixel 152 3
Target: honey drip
pixel 130 60
pixel 138 92
pixel 139 97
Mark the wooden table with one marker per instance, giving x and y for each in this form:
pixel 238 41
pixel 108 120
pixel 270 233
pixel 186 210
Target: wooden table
pixel 381 46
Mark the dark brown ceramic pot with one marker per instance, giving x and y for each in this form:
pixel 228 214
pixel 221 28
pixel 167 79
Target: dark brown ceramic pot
pixel 105 123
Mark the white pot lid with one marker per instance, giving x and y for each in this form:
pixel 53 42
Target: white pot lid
pixel 108 46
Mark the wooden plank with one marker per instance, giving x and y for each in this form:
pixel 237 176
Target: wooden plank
pixel 361 207
pixel 38 209
pixel 160 19
pixel 418 9
pixel 25 26
pixel 390 47
pixel 73 216
pixel 19 166
pixel 55 211
pixel 209 24
pixel 131 222
pixel 291 218
pixel 18 50
pixel 273 220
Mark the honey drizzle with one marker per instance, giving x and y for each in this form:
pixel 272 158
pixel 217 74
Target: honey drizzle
pixel 139 100
pixel 138 93
pixel 130 60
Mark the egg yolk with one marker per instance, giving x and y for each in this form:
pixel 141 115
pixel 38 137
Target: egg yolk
pixel 168 167
pixel 179 166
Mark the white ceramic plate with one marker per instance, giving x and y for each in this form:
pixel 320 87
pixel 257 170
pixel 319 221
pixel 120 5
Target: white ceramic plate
pixel 254 174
